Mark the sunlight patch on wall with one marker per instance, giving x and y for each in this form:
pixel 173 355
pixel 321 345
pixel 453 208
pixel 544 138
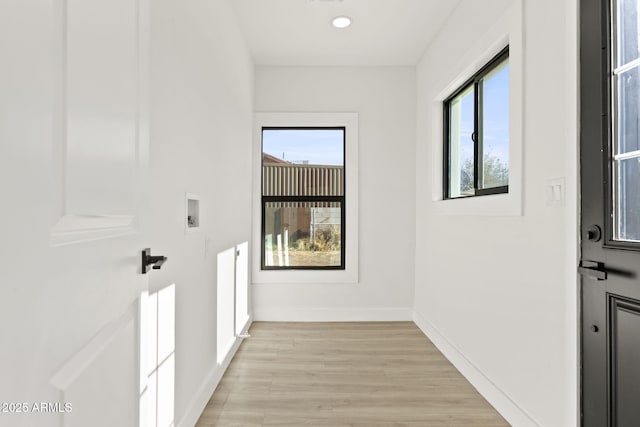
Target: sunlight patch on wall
pixel 157 364
pixel 226 302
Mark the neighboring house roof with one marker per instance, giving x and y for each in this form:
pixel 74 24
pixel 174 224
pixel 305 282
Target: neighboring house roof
pixel 268 159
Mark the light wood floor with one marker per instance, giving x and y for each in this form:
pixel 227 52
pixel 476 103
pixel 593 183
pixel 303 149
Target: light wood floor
pixel 343 374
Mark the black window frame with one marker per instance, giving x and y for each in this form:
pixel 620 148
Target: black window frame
pixel 304 199
pixel 474 82
pixel 607 42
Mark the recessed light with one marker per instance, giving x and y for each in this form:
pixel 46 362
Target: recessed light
pixel 341 21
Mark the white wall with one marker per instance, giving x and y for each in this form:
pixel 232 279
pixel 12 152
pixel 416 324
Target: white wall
pixel 385 101
pixel 498 293
pixel 202 103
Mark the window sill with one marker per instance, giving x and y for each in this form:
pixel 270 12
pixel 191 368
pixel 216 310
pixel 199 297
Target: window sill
pixel 502 204
pixel 305 276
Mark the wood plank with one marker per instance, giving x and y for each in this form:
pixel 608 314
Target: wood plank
pixel 370 374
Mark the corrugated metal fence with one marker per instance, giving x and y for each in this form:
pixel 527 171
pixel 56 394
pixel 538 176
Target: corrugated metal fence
pixel 302 180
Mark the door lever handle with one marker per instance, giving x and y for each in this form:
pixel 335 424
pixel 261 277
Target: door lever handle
pixel 149 260
pixel 593 270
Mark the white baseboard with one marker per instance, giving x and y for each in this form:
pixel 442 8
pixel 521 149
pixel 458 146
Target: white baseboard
pixel 332 315
pixel 510 410
pixel 204 393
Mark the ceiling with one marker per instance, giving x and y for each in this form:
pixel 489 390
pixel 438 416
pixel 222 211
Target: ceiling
pixel 299 32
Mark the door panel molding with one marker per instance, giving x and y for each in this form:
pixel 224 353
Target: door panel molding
pixel 100 118
pixel 618 378
pixel 83 381
pixel 78 363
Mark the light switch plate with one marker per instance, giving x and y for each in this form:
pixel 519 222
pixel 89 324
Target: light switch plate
pixel 555 192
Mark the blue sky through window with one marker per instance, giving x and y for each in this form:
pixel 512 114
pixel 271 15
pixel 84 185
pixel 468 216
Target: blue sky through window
pixel 496 114
pixel 315 146
pixel 496 117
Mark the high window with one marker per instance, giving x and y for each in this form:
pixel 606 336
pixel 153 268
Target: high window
pixel 303 198
pixel 476 136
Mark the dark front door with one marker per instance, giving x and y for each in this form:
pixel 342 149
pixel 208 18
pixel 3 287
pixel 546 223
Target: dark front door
pixel 610 212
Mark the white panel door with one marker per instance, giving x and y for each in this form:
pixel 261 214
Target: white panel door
pixel 73 167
